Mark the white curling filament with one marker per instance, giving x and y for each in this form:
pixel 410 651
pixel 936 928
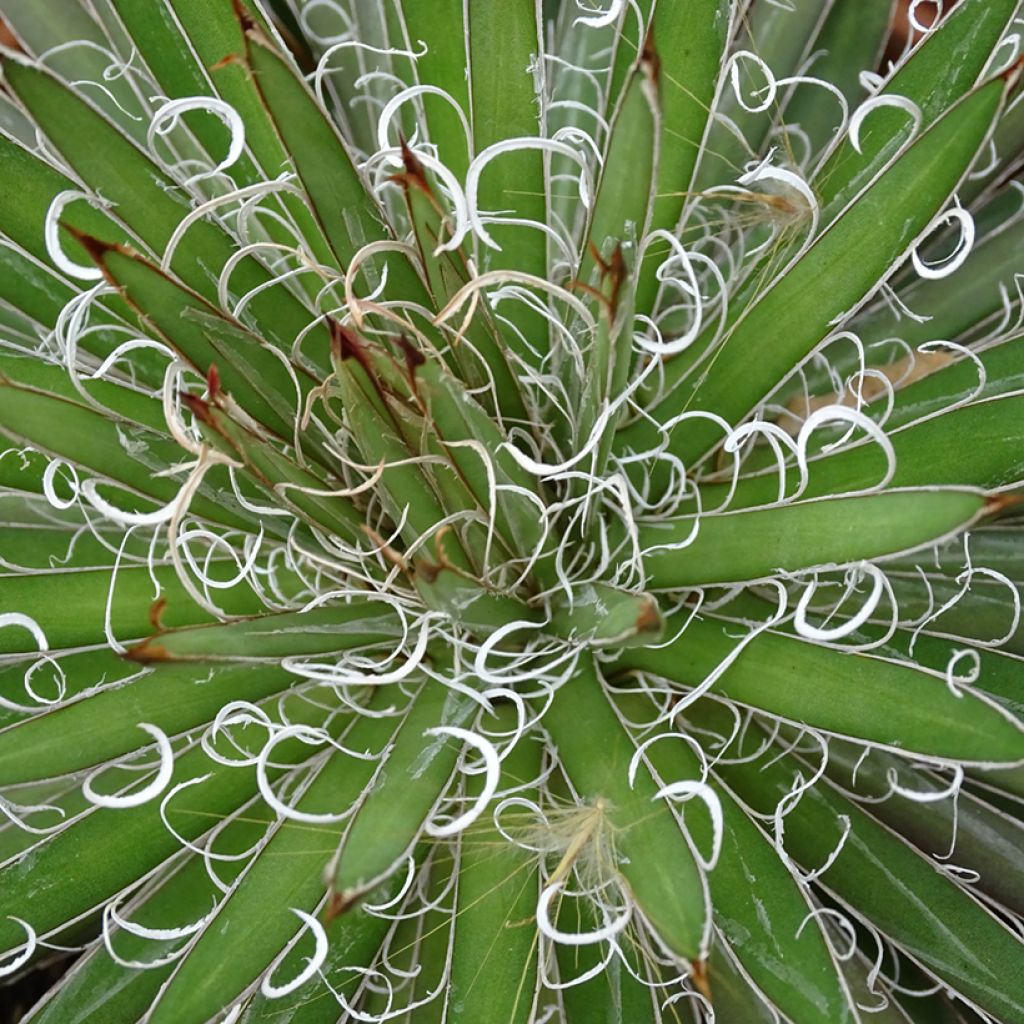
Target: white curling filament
pixel 492 776
pixel 770 90
pixel 26 622
pixel 605 18
pixel 949 264
pixel 313 964
pixel 549 931
pixel 809 632
pixel 30 943
pixel 167 118
pixel 688 788
pixel 885 100
pixel 148 792
pixel 51 236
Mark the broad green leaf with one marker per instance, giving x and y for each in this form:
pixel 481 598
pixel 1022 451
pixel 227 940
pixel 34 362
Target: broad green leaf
pixel 107 849
pixel 483 363
pixel 249 371
pixel 324 630
pixel 851 40
pixel 70 607
pixel 890 883
pixel 975 445
pixel 467 434
pixel 735 998
pixel 615 994
pixel 45 26
pixel 690 40
pixel 755 544
pixel 494 951
pixel 149 202
pixel 772 931
pixel 942 69
pixel 120 402
pixel 441 28
pixel 857 695
pixel 429 993
pixel 22 210
pixel 121 451
pixel 284 876
pixel 175 698
pixel 986 275
pixel 404 792
pixel 984 840
pixel 625 194
pixel 97 989
pixel 985 613
pixel 170 34
pixel 836 272
pixel 353 940
pixel 389 436
pixel 504 83
pixel 653 857
pixel 35 545
pixel 338 195
pixel 300 488
pixel 780 35
pixel 66 676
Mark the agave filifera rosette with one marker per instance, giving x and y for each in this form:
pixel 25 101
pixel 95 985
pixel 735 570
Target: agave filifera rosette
pixel 508 511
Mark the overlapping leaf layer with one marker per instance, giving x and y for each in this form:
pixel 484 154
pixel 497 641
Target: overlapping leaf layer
pixel 510 511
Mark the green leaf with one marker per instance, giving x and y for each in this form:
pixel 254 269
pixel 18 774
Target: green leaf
pixel 303 490
pixel 175 698
pixel 494 951
pixel 780 35
pixel 327 629
pixel 248 370
pixel 756 544
pixel 353 938
pixel 986 840
pixel 97 989
pixel 987 273
pixel 772 931
pixel 653 857
pixel 852 39
pixel 108 849
pixel 975 445
pixel 857 695
pixel 485 365
pixel 441 28
pixel 70 606
pixel 121 451
pixel 836 272
pixel 891 884
pixel 942 69
pixel 170 34
pixel 283 876
pixel 614 994
pixel 405 790
pixel 151 204
pixel 505 82
pixel 625 193
pixel 690 40
pixel 339 198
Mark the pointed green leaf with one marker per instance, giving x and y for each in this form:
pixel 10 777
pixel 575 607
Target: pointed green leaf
pixel 755 544
pixel 857 695
pixel 407 787
pixel 891 884
pixel 655 859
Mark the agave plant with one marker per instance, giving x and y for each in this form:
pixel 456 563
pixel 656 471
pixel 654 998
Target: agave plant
pixel 509 512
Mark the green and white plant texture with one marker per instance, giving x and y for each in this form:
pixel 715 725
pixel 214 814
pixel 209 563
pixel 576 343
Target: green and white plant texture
pixel 510 511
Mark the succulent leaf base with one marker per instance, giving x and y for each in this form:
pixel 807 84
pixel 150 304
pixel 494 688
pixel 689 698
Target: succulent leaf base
pixel 511 512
